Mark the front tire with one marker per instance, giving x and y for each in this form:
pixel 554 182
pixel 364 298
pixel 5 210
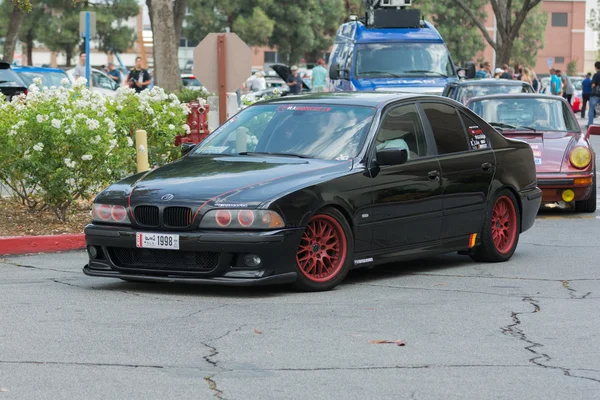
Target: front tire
pixel 589 205
pixel 501 229
pixel 325 253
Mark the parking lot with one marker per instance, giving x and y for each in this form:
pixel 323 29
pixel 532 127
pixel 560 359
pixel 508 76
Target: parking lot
pixel 527 328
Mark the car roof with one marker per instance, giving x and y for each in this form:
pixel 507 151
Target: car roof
pixel 516 95
pixel 489 82
pixel 37 69
pixel 370 99
pixel 356 30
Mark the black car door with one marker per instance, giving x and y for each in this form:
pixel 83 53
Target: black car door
pixel 407 207
pixel 467 164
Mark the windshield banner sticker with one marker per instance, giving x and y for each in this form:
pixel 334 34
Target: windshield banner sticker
pixel 292 107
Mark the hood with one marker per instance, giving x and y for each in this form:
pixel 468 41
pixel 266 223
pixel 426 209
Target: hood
pixel 213 181
pixel 429 85
pixel 549 148
pixel 284 71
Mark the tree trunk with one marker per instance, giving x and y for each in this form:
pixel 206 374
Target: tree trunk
pixel 29 43
pixel 14 26
pixel 166 67
pixel 503 54
pixel 69 56
pixel 149 5
pixel 178 14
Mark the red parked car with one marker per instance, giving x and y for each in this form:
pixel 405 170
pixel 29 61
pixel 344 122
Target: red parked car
pixel 564 158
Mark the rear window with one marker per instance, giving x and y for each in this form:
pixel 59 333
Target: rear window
pixel 8 75
pixel 468 92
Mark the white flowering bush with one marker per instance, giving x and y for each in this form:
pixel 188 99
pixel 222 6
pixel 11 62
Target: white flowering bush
pixel 63 144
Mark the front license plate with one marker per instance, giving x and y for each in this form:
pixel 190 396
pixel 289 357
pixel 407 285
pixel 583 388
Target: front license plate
pixel 157 241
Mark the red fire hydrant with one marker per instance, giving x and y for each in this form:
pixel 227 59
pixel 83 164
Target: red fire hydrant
pixel 197 121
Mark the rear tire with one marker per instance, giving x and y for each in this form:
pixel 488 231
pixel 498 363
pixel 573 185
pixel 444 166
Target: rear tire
pixel 589 205
pixel 501 229
pixel 325 254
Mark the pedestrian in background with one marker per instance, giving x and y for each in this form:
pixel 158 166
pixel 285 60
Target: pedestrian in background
pixel 114 74
pixel 294 81
pixel 555 83
pixel 80 68
pixel 595 95
pixel 507 74
pixel 138 78
pixel 568 87
pixel 586 91
pixel 319 76
pixel 526 76
pixel 257 82
pixel 535 83
pixel 485 70
pixel 498 73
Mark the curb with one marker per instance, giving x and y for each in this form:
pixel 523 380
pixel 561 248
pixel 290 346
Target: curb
pixel 12 245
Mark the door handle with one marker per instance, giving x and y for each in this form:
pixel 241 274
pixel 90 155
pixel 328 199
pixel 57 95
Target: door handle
pixel 486 166
pixel 434 175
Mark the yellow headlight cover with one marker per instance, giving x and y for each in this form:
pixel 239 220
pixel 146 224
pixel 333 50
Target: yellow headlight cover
pixel 580 157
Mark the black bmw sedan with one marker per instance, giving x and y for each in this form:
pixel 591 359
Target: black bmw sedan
pixel 302 190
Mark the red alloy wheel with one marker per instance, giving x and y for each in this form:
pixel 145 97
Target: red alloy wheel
pixel 323 249
pixel 504 224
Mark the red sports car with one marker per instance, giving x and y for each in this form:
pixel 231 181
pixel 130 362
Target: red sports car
pixel 564 158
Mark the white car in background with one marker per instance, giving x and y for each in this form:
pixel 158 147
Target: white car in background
pixel 101 82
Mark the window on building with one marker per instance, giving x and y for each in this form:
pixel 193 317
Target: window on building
pixel 559 60
pixel 560 19
pixel 271 57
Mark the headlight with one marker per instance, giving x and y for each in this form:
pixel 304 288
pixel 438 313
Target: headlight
pixel 110 214
pixel 242 219
pixel 580 157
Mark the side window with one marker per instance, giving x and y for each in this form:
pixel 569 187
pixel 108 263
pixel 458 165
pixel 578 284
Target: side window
pixel 447 128
pixel 477 138
pixel 402 129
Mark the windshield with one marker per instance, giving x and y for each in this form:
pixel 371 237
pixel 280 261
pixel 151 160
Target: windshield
pixel 49 79
pixel 189 81
pixel 544 114
pixel 329 132
pixel 402 60
pixel 467 92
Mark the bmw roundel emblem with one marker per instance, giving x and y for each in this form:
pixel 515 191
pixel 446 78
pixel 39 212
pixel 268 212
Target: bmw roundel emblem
pixel 167 197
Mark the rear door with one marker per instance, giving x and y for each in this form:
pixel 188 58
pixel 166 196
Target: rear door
pixel 407 204
pixel 467 165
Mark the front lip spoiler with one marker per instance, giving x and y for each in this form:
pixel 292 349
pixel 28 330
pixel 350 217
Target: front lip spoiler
pixel 288 277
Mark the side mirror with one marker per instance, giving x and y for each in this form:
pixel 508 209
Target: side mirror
pixel 392 156
pixel 592 130
pixel 470 71
pixel 186 148
pixel 334 71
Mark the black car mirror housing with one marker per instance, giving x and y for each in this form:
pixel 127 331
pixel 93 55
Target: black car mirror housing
pixel 392 156
pixel 186 148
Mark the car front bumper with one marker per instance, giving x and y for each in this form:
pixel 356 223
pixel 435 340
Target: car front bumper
pixel 553 186
pixel 204 257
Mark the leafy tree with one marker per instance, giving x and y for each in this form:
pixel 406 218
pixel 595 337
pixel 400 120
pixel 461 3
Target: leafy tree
pixel 531 38
pixel 248 18
pixel 510 17
pixel 113 33
pixel 458 30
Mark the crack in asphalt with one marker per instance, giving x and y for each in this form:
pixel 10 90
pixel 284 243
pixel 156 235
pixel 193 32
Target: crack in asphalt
pixel 534 347
pixel 556 245
pixel 212 384
pixel 8 262
pixel 84 364
pixel 573 292
pixel 205 309
pixel 422 366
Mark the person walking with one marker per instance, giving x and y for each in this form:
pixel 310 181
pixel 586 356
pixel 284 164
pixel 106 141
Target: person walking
pixel 294 81
pixel 595 95
pixel 257 82
pixel 138 78
pixel 319 76
pixel 586 91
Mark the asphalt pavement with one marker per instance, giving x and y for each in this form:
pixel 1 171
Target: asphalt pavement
pixel 528 328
